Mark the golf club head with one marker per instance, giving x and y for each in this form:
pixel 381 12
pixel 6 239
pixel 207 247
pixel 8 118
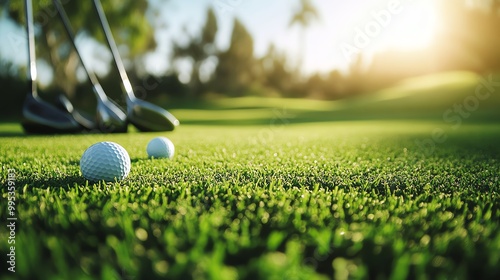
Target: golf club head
pixel 82 118
pixel 110 118
pixel 63 103
pixel 40 117
pixel 149 117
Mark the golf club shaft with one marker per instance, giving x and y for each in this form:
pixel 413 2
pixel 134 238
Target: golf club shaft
pixel 40 117
pixel 67 26
pixel 114 48
pixel 144 115
pixel 31 46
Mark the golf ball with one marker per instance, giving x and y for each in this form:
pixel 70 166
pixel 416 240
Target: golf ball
pixel 160 147
pixel 106 161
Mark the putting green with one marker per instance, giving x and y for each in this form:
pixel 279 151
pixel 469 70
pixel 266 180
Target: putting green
pixel 310 201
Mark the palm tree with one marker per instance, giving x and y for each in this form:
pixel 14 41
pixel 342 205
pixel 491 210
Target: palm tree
pixel 304 17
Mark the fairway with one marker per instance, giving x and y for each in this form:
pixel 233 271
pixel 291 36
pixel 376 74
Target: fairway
pixel 349 200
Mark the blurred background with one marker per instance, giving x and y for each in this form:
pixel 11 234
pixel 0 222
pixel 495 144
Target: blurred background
pixel 349 59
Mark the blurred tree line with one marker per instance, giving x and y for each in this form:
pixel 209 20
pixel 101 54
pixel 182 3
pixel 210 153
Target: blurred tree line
pixel 469 40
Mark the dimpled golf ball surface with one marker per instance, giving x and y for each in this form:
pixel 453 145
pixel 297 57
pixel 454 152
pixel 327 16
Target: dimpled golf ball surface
pixel 106 161
pixel 160 147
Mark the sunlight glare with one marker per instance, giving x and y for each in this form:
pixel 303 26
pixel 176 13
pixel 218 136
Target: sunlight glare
pixel 414 28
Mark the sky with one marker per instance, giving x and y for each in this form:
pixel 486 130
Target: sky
pixel 408 24
pixel 344 29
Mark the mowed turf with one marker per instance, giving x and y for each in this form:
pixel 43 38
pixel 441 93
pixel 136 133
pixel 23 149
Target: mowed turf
pixel 273 189
pixel 346 200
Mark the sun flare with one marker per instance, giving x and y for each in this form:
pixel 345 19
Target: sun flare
pixel 384 25
pixel 414 27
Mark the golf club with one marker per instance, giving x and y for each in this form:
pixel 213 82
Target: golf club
pixel 109 117
pixel 40 117
pixel 62 102
pixel 142 114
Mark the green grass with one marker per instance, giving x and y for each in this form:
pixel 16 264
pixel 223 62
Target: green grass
pixel 426 97
pixel 272 189
pixel 338 199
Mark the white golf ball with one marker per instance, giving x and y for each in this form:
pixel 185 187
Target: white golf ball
pixel 106 161
pixel 160 147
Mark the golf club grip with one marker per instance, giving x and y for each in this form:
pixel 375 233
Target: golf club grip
pixel 67 26
pixel 31 45
pixel 112 45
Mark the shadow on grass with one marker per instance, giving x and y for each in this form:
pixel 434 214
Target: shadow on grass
pixel 139 159
pixel 11 134
pixel 67 182
pixel 13 129
pixel 305 117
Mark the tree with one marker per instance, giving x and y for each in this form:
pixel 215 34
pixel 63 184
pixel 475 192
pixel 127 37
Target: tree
pixel 469 36
pixel 127 20
pixel 304 17
pixel 236 71
pixel 275 72
pixel 199 49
